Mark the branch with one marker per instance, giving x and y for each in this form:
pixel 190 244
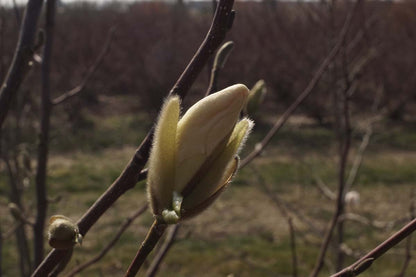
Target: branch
pixel 221 23
pixel 157 260
pixel 16 13
pixel 345 141
pixel 363 146
pixel 21 59
pixel 365 262
pixel 325 190
pixel 43 148
pixel 352 176
pixel 76 90
pixel 284 212
pixel 408 255
pixel 152 238
pixel 110 245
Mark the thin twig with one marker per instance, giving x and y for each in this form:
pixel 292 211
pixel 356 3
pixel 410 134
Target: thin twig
pixel 326 191
pixel 344 132
pixel 155 233
pixel 43 148
pixel 365 262
pixel 344 149
pixel 352 176
pixel 76 90
pixel 21 237
pixel 284 212
pixel 22 56
pixel 16 13
pixel 161 254
pixel 408 255
pixel 128 178
pixel 363 146
pixel 305 93
pixel 110 245
pixel 1 253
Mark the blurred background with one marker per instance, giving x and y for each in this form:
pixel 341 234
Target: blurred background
pixel 245 233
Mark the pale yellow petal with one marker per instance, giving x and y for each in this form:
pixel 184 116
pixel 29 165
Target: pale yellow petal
pixel 162 159
pixel 198 208
pixel 203 127
pixel 219 172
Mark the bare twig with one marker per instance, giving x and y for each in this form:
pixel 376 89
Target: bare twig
pixel 62 264
pixel 352 176
pixel 284 212
pixel 43 149
pixel 130 175
pixel 365 262
pixel 110 245
pixel 16 13
pixel 305 93
pixel 326 191
pixel 161 254
pixel 22 56
pixel 19 231
pixel 408 255
pixel 152 238
pixel 345 139
pixel 1 252
pixel 76 90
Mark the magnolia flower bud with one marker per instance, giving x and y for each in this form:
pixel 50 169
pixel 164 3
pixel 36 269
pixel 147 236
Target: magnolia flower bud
pixel 63 233
pixel 255 98
pixel 222 54
pixel 192 159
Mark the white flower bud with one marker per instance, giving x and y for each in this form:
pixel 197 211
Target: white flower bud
pixel 193 157
pixel 203 127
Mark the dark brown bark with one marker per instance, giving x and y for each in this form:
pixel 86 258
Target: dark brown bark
pixel 110 245
pixel 43 149
pixel 152 238
pixel 22 56
pixel 161 254
pixel 365 262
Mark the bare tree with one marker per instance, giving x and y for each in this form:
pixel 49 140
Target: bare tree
pixel 22 57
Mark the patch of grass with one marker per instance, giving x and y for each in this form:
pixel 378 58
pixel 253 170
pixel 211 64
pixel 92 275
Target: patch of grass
pixel 388 171
pixel 237 255
pixel 310 138
pixel 396 135
pixel 82 172
pixel 101 132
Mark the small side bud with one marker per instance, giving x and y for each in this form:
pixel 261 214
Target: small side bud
pixel 222 54
pixel 255 98
pixel 63 233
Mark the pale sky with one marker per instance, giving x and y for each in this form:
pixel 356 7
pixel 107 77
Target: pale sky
pixel 20 2
pixel 10 2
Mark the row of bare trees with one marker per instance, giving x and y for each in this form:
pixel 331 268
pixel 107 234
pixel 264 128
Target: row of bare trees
pixel 293 38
